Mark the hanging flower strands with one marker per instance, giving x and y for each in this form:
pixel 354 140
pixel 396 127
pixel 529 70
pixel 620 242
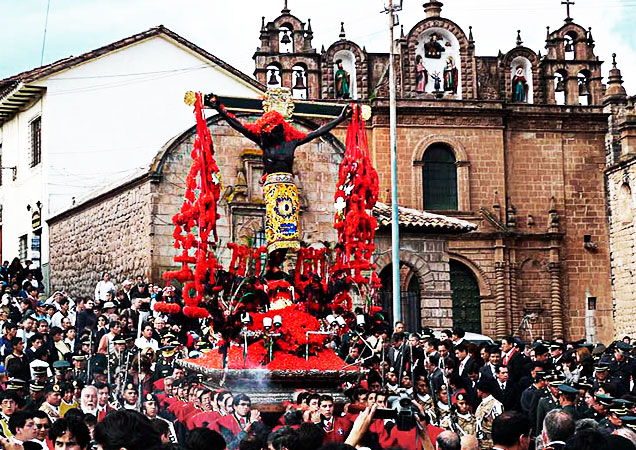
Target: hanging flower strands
pixel 246 260
pixel 356 194
pixel 199 211
pixel 310 261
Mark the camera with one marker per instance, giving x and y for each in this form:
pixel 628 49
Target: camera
pixel 406 415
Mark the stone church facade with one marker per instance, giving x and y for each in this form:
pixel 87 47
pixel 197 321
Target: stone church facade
pixel 515 144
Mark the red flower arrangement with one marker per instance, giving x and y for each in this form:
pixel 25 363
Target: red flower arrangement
pixel 324 361
pixel 199 212
pixel 272 119
pixel 167 308
pixel 356 194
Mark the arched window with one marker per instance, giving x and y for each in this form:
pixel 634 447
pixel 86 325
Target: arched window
pixel 439 179
pixel 299 90
pixel 286 39
pixel 274 79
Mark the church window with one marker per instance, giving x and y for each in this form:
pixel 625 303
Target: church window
pixel 439 177
pixel 299 73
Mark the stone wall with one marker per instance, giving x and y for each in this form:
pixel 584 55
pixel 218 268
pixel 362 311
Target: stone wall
pixel 622 204
pixel 315 167
pixel 426 256
pixel 111 234
pixel 518 156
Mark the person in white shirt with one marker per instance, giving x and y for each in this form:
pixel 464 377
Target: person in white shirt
pixel 146 340
pixel 104 286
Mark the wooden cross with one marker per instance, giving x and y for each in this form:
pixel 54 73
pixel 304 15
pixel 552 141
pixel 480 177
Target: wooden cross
pixel 567 4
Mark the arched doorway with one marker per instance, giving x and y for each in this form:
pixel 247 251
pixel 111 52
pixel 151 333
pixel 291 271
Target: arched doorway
pixel 410 300
pixel 466 297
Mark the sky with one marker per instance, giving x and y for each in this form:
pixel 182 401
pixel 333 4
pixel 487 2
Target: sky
pixel 229 29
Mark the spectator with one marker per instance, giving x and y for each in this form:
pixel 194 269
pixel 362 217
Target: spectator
pixel 558 427
pixel 511 431
pixel 72 434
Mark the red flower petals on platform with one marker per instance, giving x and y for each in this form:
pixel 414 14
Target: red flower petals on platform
pixel 272 119
pixel 167 308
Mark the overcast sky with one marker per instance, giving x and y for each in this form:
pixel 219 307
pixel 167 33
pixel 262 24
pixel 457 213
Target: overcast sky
pixel 230 28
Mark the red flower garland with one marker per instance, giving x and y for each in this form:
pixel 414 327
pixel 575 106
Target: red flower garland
pixel 199 212
pixel 167 308
pixel 356 194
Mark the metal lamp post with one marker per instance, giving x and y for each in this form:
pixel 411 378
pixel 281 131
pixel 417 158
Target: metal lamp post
pixel 391 9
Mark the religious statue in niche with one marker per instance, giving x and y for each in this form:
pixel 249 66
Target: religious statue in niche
pixel 519 86
pixel 450 76
pixel 421 75
pixel 433 49
pixel 343 81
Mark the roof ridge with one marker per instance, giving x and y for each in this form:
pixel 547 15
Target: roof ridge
pixel 71 61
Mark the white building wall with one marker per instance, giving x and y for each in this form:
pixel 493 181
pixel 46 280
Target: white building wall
pixel 101 121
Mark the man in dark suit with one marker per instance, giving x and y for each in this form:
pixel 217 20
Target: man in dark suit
pixel 511 358
pixel 506 391
pixel 396 352
pixel 488 371
pixel 461 353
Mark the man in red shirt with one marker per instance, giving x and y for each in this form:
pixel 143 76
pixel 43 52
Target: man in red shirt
pixel 336 428
pixel 243 422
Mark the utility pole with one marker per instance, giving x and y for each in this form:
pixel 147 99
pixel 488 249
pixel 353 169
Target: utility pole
pixel 395 229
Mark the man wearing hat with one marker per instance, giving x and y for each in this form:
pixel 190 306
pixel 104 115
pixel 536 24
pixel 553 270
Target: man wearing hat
pixel 556 352
pixel 36 396
pixel 622 368
pixel 53 398
pixel 602 379
pixel 567 400
pixel 131 396
pixel 487 411
pixel 62 371
pixel 464 422
pixel 150 409
pixel 549 402
pixel 614 419
pixel 531 396
pixel 80 361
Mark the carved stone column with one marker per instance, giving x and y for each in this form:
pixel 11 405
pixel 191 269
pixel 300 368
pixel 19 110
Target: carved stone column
pixel 555 299
pixel 500 298
pixel 514 297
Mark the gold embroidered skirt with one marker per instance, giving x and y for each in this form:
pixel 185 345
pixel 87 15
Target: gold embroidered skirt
pixel 282 212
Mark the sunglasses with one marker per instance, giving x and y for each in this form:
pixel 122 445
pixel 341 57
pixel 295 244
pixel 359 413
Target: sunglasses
pixel 43 426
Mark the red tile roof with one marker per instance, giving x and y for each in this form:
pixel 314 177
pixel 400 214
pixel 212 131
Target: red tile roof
pixel 414 219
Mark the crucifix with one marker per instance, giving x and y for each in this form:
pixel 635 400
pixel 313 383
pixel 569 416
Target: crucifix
pixel 285 9
pixel 278 139
pixel 567 4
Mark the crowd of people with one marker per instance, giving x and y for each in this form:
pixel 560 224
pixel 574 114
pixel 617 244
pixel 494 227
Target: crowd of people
pixel 101 372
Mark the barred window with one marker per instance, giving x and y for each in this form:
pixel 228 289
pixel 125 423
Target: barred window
pixel 22 248
pixel 36 141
